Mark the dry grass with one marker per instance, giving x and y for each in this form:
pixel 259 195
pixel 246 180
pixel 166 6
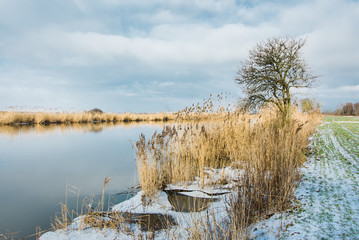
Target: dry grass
pixel 9 236
pixel 93 215
pixel 43 118
pixel 271 171
pixel 66 216
pixel 269 152
pixel 211 109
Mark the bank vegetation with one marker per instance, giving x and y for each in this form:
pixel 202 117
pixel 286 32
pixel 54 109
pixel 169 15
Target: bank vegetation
pixel 269 152
pixel 47 118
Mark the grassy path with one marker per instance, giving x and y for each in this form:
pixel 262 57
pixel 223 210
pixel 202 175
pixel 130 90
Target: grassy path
pixel 328 195
pixel 329 191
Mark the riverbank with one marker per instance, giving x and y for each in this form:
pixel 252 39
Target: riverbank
pixel 177 212
pixel 48 118
pixel 238 168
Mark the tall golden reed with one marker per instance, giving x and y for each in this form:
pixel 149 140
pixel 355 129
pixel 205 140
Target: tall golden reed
pixel 44 118
pixel 269 152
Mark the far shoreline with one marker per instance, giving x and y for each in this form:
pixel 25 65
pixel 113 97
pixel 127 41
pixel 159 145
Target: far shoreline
pixel 96 116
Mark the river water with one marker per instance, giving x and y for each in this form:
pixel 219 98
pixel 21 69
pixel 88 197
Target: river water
pixel 42 167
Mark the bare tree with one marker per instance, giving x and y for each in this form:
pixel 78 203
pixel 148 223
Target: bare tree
pixel 356 108
pixel 348 109
pixel 272 69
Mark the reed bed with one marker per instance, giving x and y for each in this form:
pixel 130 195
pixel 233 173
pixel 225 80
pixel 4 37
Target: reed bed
pixel 44 118
pixel 269 151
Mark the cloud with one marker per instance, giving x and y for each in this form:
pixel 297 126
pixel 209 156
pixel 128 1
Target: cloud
pixel 186 44
pixel 335 38
pixel 150 50
pixel 198 5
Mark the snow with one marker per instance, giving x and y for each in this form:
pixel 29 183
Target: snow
pixel 160 205
pixel 84 234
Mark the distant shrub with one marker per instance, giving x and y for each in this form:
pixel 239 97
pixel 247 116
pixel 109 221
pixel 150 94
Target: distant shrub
pixel 310 105
pixel 95 110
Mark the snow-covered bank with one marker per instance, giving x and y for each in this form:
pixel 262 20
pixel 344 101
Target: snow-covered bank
pixel 327 204
pixel 189 205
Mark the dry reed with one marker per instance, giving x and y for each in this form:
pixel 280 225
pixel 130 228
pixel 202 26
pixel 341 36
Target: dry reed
pixel 43 118
pixel 269 152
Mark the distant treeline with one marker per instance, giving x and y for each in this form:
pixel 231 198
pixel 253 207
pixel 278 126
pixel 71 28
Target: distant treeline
pixel 348 109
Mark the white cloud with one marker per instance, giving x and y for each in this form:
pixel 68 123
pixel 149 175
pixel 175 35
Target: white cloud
pixel 331 30
pixel 209 5
pixel 186 44
pixel 120 44
pixel 162 17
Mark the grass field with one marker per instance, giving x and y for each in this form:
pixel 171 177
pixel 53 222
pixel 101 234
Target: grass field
pixel 328 195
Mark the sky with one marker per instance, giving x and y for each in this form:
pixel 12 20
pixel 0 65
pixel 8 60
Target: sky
pixel 163 55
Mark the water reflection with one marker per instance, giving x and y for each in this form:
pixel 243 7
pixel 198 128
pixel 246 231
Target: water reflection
pixel 36 162
pixel 39 129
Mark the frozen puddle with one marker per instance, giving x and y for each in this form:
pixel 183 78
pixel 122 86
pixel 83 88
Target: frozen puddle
pixel 328 195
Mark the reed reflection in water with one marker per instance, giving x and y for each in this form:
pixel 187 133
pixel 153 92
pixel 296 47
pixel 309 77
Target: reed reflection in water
pixel 38 129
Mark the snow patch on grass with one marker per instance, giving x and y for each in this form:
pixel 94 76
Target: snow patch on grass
pixel 327 205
